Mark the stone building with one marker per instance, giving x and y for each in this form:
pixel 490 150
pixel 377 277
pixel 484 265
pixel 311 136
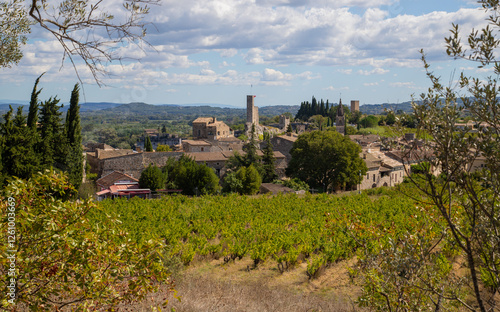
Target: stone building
pixel 210 128
pixel 130 164
pixel 354 106
pixel 284 122
pixel 340 120
pixel 382 170
pixel 157 138
pixel 252 111
pixel 282 144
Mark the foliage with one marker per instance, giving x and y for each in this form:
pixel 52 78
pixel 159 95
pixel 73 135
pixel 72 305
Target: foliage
pixel 152 178
pixel 73 164
pixel 250 148
pixel 163 148
pixel 245 181
pixel 18 146
pixel 326 159
pixel 192 178
pixel 285 229
pixel 464 199
pixel 28 148
pixel 250 180
pixel 294 184
pixel 268 160
pixel 369 122
pixel 63 259
pixel 148 146
pixel 14 26
pixel 64 21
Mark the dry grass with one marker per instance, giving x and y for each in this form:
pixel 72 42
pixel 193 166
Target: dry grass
pixel 212 286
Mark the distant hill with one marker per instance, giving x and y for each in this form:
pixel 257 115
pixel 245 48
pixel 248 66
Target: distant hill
pixel 203 109
pixel 4 107
pixel 377 109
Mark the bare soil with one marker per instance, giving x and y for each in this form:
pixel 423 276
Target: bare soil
pixel 237 286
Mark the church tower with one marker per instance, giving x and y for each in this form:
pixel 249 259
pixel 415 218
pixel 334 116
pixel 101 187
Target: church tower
pixel 340 121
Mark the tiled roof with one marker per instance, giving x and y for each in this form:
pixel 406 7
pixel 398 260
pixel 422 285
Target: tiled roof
pixel 103 154
pixel 207 156
pixel 113 177
pixel 288 138
pixel 203 120
pixel 196 142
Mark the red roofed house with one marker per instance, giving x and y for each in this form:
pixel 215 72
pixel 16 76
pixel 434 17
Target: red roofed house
pixel 117 184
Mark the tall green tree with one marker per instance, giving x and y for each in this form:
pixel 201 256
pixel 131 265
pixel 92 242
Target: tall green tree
pixel 192 178
pixel 152 178
pixel 268 161
pixel 34 105
pixel 74 151
pixel 148 146
pixel 18 151
pixel 52 149
pixel 326 159
pixel 250 148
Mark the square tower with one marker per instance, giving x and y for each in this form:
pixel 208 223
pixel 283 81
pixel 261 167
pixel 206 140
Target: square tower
pixel 252 111
pixel 354 106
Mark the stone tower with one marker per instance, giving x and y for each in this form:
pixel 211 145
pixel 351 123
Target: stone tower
pixel 354 106
pixel 284 122
pixel 340 121
pixel 252 111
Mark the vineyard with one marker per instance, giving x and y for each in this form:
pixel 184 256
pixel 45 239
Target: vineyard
pixel 319 229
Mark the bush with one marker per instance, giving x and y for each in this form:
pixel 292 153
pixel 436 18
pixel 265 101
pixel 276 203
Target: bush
pixel 63 259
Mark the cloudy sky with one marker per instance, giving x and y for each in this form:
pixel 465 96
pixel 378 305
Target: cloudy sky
pixel 283 51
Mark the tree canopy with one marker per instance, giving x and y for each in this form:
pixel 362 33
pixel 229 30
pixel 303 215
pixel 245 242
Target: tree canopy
pixel 65 20
pixel 66 260
pixel 327 160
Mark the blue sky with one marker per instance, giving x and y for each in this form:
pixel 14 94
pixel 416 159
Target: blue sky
pixel 283 51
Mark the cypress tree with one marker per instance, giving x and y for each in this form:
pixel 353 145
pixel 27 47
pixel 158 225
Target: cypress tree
pixel 268 161
pixel 148 146
pixel 18 153
pixel 74 159
pixel 251 148
pixel 53 141
pixel 34 104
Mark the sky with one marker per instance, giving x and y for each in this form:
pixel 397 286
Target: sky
pixel 282 51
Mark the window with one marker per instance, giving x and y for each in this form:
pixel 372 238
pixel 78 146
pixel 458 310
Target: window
pixel 218 132
pixel 374 177
pixel 202 149
pixel 367 176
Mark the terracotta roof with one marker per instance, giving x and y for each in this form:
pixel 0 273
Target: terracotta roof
pixel 203 120
pixel 104 154
pixel 370 160
pixel 288 138
pixel 196 142
pixel 230 139
pixel 411 156
pixel 207 156
pixel 121 187
pixel 113 177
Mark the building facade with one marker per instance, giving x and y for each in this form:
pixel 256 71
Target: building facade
pixel 210 128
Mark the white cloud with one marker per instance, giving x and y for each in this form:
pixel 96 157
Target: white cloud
pixel 375 71
pixel 409 85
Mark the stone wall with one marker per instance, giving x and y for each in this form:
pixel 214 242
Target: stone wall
pixel 134 164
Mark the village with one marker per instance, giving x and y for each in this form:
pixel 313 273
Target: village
pixel 213 143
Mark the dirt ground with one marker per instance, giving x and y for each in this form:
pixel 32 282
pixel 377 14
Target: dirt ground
pixel 208 286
